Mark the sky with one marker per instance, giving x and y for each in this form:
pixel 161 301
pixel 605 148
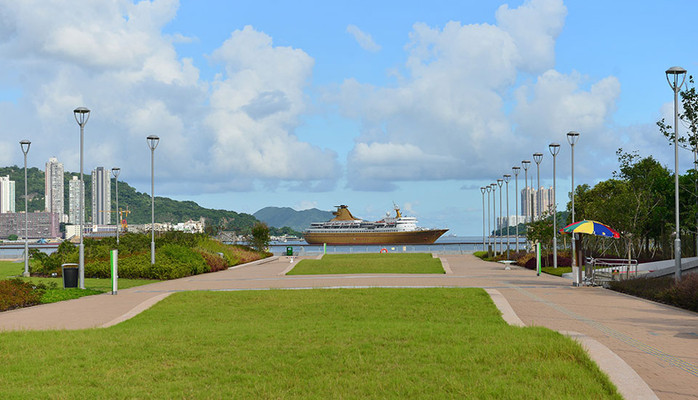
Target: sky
pixel 314 104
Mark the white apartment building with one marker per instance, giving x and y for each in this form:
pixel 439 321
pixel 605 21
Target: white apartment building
pixel 101 196
pixel 53 199
pixel 74 200
pixel 535 203
pixel 7 195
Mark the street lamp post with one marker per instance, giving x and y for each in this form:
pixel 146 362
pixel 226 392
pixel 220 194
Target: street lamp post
pixel 554 149
pixel 24 144
pixel 507 177
pixel 516 170
pixel 489 237
pixel 482 189
pixel 572 138
pixel 676 72
pixel 538 157
pixel 153 141
pixel 82 115
pixel 525 164
pixel 116 171
pixel 494 215
pixel 501 238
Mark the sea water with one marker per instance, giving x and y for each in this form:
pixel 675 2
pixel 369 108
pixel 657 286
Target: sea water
pixel 443 245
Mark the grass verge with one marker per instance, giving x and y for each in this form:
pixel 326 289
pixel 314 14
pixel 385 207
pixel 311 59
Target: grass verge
pixel 55 291
pixel 405 263
pixel 317 344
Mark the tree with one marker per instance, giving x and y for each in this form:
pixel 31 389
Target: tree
pixel 260 236
pixel 12 237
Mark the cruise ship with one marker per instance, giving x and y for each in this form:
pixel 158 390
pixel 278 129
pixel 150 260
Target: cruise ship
pixel 344 228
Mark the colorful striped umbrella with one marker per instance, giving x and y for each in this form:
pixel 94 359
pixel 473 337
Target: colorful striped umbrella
pixel 592 228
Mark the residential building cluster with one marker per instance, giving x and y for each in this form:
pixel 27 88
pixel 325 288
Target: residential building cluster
pixel 534 204
pixel 46 224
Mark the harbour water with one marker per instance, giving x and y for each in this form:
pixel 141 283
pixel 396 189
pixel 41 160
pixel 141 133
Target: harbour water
pixel 444 245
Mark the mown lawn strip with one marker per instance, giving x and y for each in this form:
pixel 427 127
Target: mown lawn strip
pixel 390 263
pixel 299 344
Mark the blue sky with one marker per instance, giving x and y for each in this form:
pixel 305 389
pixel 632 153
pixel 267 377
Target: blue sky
pixel 314 104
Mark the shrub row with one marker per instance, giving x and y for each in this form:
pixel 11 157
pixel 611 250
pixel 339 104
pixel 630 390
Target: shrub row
pixel 683 294
pixel 171 262
pixel 16 293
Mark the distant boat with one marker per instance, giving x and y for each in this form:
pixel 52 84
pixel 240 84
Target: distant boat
pixel 344 228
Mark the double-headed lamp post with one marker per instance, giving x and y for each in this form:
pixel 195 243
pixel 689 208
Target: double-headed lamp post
pixel 24 144
pixel 482 190
pixel 525 164
pixel 676 73
pixel 82 115
pixel 116 171
pixel 554 149
pixel 538 157
pixel 516 170
pixel 572 138
pixel 501 238
pixel 489 237
pixel 153 141
pixel 494 217
pixel 507 177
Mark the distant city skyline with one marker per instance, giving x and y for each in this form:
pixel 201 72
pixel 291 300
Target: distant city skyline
pixel 314 104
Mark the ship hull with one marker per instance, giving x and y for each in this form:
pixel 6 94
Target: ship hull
pixel 427 236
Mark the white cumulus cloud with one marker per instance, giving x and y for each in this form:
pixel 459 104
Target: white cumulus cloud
pixel 363 39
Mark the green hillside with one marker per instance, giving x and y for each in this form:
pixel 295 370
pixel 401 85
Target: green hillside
pixel 297 220
pixel 166 209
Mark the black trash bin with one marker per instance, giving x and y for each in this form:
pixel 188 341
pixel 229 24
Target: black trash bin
pixel 289 250
pixel 70 275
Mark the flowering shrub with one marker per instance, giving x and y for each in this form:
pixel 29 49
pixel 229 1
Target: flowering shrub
pixel 16 293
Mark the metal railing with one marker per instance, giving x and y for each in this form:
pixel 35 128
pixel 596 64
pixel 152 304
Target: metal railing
pixel 604 270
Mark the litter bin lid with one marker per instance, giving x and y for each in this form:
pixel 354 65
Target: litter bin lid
pixel 69 265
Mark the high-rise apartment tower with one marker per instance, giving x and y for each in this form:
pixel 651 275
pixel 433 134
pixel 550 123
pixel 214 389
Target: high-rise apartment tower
pixel 53 199
pixel 101 196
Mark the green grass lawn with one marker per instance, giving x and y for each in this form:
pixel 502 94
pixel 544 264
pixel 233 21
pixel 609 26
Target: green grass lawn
pixel 10 269
pixel 317 344
pixel 556 271
pixel 390 263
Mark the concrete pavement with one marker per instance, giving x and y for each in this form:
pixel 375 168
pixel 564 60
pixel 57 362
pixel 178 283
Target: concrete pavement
pixel 659 343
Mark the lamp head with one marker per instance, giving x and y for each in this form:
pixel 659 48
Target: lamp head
pixel 499 182
pixel 153 141
pixel 525 164
pixel 572 137
pixel 482 189
pixel 538 157
pixel 116 171
pixel 24 144
pixel 507 177
pixel 516 170
pixel 82 114
pixel 554 148
pixel 676 72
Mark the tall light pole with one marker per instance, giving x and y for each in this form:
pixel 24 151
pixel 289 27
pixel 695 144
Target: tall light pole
pixel 572 138
pixel 24 144
pixel 494 215
pixel 116 171
pixel 507 177
pixel 676 72
pixel 525 164
pixel 82 115
pixel 489 237
pixel 554 149
pixel 153 141
pixel 482 189
pixel 501 238
pixel 516 170
pixel 538 157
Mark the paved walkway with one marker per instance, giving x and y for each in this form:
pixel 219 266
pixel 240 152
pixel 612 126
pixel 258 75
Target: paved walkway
pixel 660 343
